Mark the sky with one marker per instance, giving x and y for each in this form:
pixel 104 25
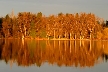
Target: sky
pixel 49 7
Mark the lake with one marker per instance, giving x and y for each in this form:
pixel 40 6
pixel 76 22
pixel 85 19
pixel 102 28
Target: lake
pixel 18 55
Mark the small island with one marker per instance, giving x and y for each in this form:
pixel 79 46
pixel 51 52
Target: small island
pixel 27 25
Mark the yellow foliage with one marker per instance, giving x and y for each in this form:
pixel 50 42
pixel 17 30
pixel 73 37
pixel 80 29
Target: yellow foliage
pixel 99 35
pixel 105 33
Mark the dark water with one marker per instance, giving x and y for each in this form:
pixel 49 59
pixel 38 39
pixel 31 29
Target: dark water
pixel 18 55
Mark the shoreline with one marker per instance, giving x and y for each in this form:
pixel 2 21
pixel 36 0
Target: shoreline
pixel 53 39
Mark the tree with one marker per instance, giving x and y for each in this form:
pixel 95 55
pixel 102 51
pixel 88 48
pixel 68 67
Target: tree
pixel 7 26
pixel 61 24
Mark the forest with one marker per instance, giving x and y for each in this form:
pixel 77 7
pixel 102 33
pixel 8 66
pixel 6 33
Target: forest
pixel 61 26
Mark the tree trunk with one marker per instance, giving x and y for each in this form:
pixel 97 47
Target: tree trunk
pixel 90 35
pixel 24 30
pixel 59 36
pixel 80 37
pixel 65 34
pixel 75 36
pixel 22 36
pixel 70 36
pixel 54 33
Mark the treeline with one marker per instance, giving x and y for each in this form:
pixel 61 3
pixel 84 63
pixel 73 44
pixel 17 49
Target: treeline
pixel 69 26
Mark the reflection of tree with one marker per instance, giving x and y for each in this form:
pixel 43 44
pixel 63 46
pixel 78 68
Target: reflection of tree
pixel 54 52
pixel 105 57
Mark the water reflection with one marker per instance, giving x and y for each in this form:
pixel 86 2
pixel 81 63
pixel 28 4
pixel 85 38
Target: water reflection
pixel 62 53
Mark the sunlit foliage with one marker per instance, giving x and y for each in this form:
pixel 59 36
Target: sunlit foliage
pixel 68 26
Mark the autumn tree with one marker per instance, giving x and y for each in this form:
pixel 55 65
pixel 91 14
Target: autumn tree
pixel 7 26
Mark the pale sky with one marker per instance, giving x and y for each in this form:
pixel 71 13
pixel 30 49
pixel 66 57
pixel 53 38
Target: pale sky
pixel 47 7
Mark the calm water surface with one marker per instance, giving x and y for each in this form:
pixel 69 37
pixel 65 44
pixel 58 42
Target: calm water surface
pixel 18 55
